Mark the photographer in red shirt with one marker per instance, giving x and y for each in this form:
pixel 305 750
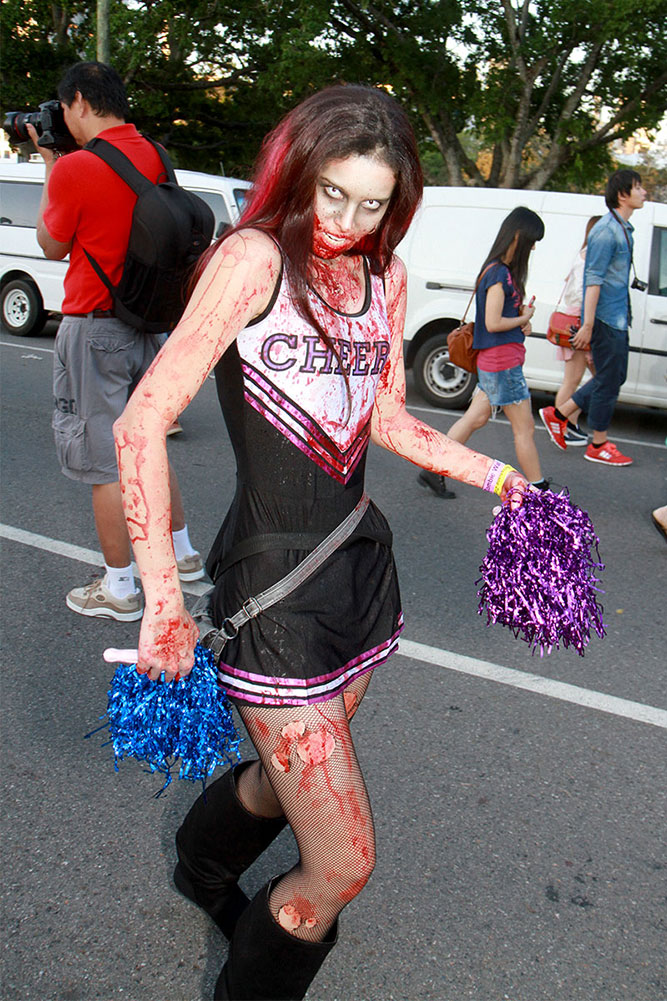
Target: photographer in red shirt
pixel 98 359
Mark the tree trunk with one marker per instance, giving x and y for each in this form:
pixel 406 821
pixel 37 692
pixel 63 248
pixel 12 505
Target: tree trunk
pixel 103 46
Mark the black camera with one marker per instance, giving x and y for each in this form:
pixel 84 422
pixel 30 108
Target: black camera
pixel 639 285
pixel 49 123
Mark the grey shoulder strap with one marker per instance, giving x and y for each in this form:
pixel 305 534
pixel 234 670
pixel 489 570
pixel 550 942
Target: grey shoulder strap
pixel 253 606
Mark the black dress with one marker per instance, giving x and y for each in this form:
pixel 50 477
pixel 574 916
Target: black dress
pixel 300 443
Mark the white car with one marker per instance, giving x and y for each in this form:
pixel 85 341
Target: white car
pixel 444 249
pixel 32 287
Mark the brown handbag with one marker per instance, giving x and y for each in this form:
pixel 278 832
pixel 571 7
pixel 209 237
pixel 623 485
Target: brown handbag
pixel 459 340
pixel 459 344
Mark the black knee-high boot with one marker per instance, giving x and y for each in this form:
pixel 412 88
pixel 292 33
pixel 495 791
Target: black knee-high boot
pixel 218 840
pixel 267 963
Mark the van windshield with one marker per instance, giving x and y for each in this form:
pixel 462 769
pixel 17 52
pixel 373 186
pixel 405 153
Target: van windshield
pixel 241 197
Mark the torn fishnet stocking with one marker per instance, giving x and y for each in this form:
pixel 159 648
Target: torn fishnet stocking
pixel 355 692
pixel 253 786
pixel 309 759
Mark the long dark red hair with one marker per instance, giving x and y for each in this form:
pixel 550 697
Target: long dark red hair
pixel 335 123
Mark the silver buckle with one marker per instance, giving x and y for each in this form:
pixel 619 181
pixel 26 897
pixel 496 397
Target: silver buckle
pixel 225 628
pixel 251 607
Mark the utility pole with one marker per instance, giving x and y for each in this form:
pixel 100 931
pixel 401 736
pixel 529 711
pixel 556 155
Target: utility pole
pixel 103 49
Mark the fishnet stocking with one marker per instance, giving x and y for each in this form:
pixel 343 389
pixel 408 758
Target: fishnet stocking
pixel 309 760
pixel 253 785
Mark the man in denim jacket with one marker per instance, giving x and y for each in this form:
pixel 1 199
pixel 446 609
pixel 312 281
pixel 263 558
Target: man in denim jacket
pixel 605 321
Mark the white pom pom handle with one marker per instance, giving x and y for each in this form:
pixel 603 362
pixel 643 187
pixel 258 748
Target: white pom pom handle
pixel 113 656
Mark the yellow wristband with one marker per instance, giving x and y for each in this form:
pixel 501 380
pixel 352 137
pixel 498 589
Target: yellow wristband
pixel 502 476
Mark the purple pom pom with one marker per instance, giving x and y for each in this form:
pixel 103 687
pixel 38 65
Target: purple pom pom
pixel 159 722
pixel 538 576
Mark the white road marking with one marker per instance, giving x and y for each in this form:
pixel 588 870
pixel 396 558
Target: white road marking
pixel 79 554
pixel 408 648
pixel 13 344
pixel 539 426
pixel 534 683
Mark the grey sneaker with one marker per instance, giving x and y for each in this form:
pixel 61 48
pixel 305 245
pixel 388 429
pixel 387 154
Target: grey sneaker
pixel 174 427
pixel 96 599
pixel 191 567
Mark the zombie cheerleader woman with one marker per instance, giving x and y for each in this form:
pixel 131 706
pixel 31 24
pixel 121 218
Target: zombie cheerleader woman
pixel 299 311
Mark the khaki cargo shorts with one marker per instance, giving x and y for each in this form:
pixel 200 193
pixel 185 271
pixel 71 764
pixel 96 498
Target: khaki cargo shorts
pixel 97 363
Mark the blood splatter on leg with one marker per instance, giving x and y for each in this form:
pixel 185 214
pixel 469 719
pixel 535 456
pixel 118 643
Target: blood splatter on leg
pixel 311 763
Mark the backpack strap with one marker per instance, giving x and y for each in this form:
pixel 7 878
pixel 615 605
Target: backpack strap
pixel 123 166
pixel 164 157
pixel 120 164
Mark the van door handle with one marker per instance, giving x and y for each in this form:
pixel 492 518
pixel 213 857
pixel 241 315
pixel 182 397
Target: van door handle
pixel 654 319
pixel 454 288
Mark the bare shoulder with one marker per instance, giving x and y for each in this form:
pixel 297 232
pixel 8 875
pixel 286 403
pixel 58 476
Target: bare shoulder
pixel 395 277
pixel 253 247
pixel 242 273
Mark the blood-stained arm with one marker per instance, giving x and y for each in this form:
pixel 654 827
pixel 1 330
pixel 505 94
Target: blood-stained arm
pixel 236 286
pixel 395 429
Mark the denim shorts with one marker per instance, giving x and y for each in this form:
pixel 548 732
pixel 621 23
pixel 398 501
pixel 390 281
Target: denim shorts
pixel 505 387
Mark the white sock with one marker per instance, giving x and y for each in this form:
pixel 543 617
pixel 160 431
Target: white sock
pixel 182 545
pixel 120 581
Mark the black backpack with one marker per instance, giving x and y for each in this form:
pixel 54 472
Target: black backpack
pixel 171 229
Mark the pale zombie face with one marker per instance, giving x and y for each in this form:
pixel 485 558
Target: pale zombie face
pixel 351 197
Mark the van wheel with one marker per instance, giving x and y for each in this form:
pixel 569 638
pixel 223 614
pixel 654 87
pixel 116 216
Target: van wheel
pixel 438 381
pixel 21 308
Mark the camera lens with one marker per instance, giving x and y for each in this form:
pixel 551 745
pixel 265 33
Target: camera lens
pixel 15 125
pixel 49 123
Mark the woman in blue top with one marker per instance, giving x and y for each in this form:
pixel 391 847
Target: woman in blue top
pixel 502 323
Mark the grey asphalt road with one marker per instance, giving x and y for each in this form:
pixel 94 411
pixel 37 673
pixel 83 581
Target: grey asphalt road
pixel 521 837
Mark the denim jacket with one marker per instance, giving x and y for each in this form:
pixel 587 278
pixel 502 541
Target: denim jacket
pixel 608 259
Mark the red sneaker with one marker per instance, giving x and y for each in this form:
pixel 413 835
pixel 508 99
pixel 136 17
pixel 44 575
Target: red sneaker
pixel 555 428
pixel 608 455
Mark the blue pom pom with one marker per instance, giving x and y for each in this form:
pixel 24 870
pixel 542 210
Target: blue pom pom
pixel 538 576
pixel 160 722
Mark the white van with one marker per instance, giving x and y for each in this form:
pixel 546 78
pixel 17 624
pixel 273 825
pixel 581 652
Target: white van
pixel 445 248
pixel 30 286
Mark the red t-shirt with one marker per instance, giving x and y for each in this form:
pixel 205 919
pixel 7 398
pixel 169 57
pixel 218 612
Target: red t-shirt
pixel 90 205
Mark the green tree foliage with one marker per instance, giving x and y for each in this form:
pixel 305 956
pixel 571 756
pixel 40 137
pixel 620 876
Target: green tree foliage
pixel 511 93
pixel 542 87
pixel 38 41
pixel 191 75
